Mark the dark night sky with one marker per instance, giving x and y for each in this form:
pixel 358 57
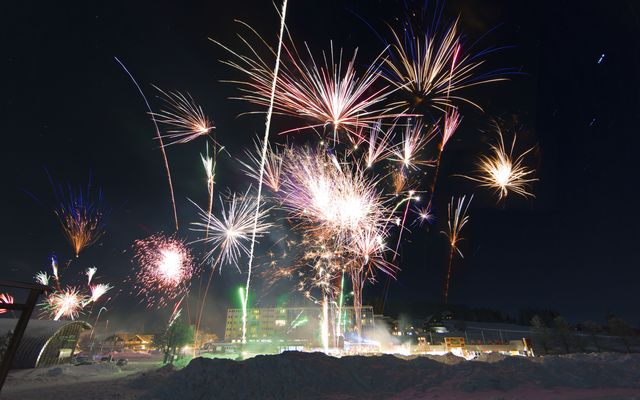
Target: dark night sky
pixel 67 106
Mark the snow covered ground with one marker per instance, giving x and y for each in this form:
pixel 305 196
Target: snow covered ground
pixel 317 376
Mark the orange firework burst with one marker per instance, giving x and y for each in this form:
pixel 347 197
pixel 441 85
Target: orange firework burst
pixel 503 172
pixel 81 215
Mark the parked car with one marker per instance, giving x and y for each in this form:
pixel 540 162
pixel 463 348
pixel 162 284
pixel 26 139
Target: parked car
pixel 122 362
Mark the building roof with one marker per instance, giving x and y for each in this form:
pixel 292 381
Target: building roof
pixel 36 337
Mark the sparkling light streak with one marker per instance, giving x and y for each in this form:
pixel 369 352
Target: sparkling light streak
pixel 458 218
pixel 184 116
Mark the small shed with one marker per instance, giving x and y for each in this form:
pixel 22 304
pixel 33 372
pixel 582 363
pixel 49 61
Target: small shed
pixel 45 342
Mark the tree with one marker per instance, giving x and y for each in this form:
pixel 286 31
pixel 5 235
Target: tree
pixel 540 332
pixel 173 338
pixel 622 329
pixel 563 332
pixel 593 329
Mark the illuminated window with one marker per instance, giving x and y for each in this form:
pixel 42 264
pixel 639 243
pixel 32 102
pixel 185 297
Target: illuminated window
pixel 280 322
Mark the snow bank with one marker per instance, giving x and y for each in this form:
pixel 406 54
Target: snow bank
pixel 293 375
pixel 62 373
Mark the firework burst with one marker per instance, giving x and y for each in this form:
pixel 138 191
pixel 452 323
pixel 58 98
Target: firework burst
pixel 165 269
pixel 327 93
pixel 503 172
pixel 184 116
pixel 231 233
pixel 99 290
pixel 42 278
pixel 379 143
pixel 67 303
pixel 81 215
pixel 333 199
pixel 432 69
pixel 414 141
pixel 5 299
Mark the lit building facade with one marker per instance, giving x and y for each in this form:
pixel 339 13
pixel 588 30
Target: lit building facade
pixel 293 327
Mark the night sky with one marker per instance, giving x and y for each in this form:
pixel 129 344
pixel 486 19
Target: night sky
pixel 68 108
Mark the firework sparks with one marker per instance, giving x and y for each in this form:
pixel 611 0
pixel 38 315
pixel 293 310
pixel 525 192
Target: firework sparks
pixel 165 268
pixel 81 216
pixel 186 118
pixel 338 199
pixel 503 172
pixel 209 164
pixel 413 141
pixel 327 93
pixel 67 303
pixel 232 231
pixel 272 167
pixel 379 143
pixel 452 120
pixel 90 272
pixel 98 290
pixel 458 218
pixel 424 214
pixel 5 299
pixel 432 68
pixel 42 278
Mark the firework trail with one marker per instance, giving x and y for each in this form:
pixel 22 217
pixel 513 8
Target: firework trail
pixel 165 268
pixel 452 120
pixel 186 117
pixel 67 303
pixel 81 216
pixel 159 137
pixel 209 164
pixel 54 271
pixel 90 272
pixel 458 218
pixel 265 145
pixel 272 167
pixel 5 298
pixel 503 172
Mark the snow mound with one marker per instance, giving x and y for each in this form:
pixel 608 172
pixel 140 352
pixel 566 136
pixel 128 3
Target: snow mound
pixel 61 373
pixel 490 357
pixel 293 375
